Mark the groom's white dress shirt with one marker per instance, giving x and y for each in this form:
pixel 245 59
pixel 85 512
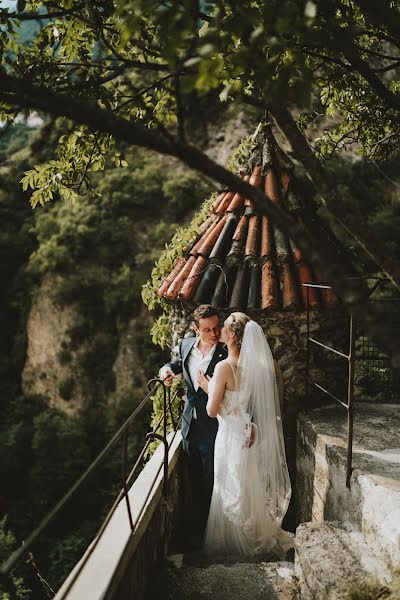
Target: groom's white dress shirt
pixel 196 361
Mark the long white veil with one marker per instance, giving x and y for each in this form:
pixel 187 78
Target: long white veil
pixel 256 487
pixel 258 388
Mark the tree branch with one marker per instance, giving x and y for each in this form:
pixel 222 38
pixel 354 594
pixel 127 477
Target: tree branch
pixel 391 99
pixel 385 139
pixel 376 53
pixel 320 252
pixel 318 175
pixel 35 16
pixel 329 59
pixel 385 16
pixel 395 65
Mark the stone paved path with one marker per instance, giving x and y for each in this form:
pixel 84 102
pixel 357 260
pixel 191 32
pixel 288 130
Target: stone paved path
pixel 192 577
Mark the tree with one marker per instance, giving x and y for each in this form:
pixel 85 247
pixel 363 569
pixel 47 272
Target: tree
pixel 129 71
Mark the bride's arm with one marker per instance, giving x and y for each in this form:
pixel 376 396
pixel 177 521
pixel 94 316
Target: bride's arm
pixel 217 390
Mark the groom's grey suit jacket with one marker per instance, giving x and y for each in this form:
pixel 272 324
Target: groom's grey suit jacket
pixel 196 399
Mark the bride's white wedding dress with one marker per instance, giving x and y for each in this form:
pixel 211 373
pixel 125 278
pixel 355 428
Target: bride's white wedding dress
pixel 251 484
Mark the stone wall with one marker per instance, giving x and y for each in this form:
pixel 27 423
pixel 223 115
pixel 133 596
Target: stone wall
pixel 372 503
pixel 159 527
pixel 122 563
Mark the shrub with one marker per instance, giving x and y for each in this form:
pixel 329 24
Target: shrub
pixel 66 388
pixel 183 193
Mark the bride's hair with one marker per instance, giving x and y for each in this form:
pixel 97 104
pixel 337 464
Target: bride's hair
pixel 238 322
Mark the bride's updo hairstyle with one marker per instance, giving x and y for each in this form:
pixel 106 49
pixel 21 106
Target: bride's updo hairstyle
pixel 238 322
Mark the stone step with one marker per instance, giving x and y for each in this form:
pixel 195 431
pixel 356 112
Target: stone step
pixel 230 580
pixel 333 557
pixel 372 503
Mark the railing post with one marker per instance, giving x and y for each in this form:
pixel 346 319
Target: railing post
pixel 350 398
pixel 308 345
pixel 167 393
pixel 124 470
pixel 162 438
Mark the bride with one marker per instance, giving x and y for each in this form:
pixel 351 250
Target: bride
pixel 251 482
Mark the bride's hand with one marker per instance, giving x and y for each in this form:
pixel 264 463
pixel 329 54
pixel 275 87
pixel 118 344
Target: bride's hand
pixel 203 381
pixel 251 435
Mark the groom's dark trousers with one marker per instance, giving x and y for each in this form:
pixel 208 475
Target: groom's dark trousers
pixel 198 429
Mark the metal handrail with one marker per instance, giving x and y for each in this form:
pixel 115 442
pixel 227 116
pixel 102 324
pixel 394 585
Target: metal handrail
pixel 349 403
pixel 90 551
pixel 329 348
pixel 7 568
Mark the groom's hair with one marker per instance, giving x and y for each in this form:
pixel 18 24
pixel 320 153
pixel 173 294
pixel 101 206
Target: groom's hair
pixel 205 311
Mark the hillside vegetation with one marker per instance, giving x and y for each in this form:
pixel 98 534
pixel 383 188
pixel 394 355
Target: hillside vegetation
pixel 96 255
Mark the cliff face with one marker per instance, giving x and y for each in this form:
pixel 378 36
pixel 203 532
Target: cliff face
pixel 51 368
pixel 55 369
pixel 128 366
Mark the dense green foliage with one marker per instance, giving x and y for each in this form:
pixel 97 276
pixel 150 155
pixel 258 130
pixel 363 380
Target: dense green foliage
pixel 333 58
pixel 102 252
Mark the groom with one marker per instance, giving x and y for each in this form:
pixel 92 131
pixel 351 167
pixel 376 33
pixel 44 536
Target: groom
pixel 199 354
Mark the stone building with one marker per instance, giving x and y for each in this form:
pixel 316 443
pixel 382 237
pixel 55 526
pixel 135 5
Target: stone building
pixel 240 261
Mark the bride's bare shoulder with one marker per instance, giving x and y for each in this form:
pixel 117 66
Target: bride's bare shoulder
pixel 222 366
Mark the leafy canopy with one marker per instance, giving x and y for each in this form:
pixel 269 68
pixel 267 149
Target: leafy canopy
pixel 146 60
pixel 133 70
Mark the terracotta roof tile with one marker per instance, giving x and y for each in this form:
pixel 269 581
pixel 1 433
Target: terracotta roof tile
pixel 289 287
pixel 218 200
pixel 224 239
pixel 252 246
pixel 206 224
pixel 240 260
pixel 223 287
pixel 272 187
pixel 240 287
pixel 267 237
pixel 236 203
pixel 179 280
pixel 305 276
pixel 225 202
pixel 328 296
pixel 210 237
pixel 205 235
pixel 241 229
pixel 254 297
pixel 177 268
pixel 193 279
pixel 269 286
pixel 255 177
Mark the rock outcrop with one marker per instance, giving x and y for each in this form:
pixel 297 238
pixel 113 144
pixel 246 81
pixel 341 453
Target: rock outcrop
pixel 51 368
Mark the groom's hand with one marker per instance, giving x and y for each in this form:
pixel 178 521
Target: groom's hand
pixel 203 380
pixel 167 375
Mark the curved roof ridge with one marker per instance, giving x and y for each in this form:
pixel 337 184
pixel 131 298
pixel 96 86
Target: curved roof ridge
pixel 240 260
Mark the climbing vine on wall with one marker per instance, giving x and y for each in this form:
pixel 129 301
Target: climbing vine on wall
pixel 181 242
